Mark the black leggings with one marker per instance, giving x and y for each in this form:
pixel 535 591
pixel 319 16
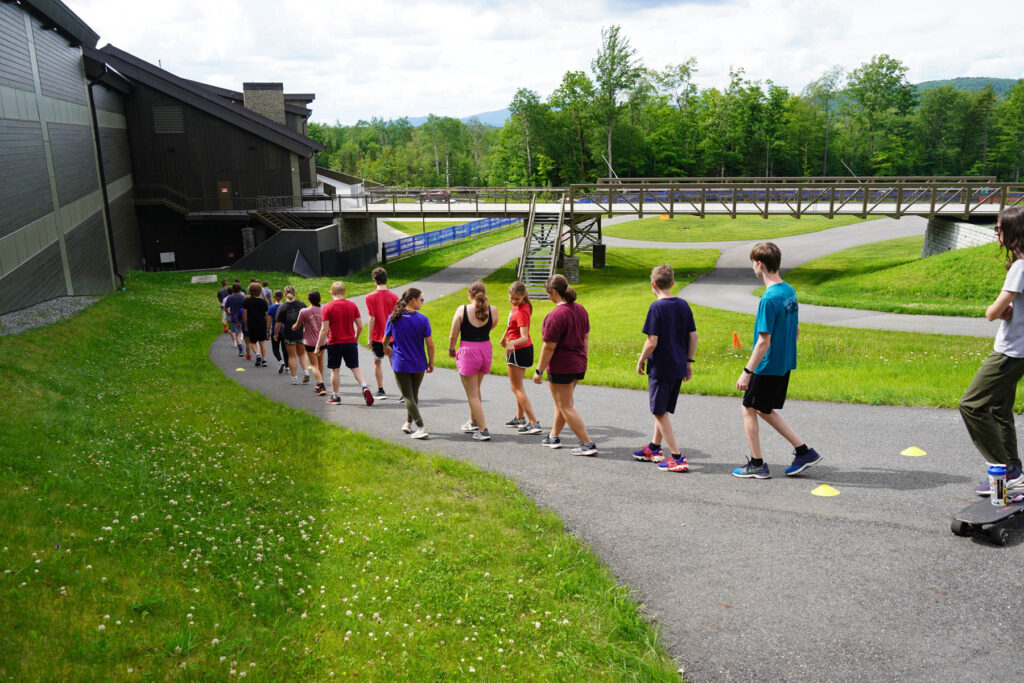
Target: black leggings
pixel 409 384
pixel 275 346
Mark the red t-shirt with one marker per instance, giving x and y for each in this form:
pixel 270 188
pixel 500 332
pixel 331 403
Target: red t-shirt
pixel 518 317
pixel 379 305
pixel 567 325
pixel 340 316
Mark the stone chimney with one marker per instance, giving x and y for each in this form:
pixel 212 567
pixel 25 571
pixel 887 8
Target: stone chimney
pixel 266 99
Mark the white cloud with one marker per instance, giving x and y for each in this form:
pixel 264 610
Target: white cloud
pixel 457 58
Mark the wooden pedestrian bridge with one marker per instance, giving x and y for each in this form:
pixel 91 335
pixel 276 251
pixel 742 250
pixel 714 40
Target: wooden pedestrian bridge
pixel 957 197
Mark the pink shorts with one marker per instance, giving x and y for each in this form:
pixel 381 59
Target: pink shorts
pixel 473 357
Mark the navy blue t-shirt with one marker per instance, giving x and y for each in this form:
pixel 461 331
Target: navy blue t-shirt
pixel 672 321
pixel 234 305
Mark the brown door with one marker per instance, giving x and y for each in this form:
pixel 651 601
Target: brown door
pixel 225 202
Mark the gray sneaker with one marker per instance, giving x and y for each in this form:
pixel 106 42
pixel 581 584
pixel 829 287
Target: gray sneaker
pixel 589 448
pixel 516 422
pixel 530 428
pixel 469 427
pixel 551 442
pixel 481 435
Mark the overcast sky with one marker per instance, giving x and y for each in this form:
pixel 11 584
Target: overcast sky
pixel 462 57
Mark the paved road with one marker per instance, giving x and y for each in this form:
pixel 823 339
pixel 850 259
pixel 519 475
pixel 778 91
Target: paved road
pixel 750 580
pixel 732 282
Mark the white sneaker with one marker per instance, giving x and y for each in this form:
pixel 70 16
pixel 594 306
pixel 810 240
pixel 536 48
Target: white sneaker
pixel 421 433
pixel 470 427
pixel 296 380
pixel 407 428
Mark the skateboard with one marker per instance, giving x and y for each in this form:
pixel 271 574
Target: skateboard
pixel 985 518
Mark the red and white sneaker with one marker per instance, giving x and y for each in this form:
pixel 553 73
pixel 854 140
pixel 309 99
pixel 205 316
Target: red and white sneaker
pixel 368 395
pixel 645 454
pixel 670 464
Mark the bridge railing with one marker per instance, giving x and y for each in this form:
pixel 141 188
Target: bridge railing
pixel 414 243
pixel 907 197
pixel 800 180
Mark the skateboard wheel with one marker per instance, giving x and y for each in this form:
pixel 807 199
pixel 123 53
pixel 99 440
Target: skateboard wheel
pixel 999 536
pixel 960 528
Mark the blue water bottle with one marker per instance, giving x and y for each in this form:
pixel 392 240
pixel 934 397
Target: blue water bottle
pixel 997 483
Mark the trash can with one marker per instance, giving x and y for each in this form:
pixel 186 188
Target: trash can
pixel 599 255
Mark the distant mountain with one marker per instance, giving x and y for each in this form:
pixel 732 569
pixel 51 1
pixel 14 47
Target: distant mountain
pixel 970 84
pixel 495 119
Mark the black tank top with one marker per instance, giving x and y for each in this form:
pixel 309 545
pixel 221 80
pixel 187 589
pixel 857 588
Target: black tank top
pixel 469 333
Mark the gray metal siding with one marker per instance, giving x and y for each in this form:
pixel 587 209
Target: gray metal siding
pixel 74 163
pixel 88 256
pixel 15 64
pixel 38 279
pixel 60 66
pixel 107 100
pixel 125 225
pixel 117 161
pixel 24 180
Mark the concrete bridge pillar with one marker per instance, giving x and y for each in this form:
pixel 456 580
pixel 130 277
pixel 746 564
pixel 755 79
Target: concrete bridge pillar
pixel 943 234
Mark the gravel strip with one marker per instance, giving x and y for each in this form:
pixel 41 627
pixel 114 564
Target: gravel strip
pixel 43 313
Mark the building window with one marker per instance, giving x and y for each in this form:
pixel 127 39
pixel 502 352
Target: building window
pixel 168 119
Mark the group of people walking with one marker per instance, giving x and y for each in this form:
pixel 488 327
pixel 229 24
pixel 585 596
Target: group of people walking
pixel 300 333
pixel 398 331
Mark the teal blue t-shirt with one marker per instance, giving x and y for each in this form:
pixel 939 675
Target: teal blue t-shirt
pixel 777 316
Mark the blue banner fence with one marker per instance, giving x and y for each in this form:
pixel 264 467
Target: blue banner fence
pixel 408 245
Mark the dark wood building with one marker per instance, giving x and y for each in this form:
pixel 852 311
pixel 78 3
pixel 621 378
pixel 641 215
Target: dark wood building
pixel 109 163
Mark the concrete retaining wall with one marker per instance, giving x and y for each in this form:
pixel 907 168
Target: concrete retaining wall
pixel 945 235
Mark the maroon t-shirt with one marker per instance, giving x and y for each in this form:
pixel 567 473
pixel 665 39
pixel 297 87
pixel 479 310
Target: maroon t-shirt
pixel 566 326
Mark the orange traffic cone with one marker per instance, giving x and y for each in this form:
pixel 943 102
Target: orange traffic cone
pixel 736 341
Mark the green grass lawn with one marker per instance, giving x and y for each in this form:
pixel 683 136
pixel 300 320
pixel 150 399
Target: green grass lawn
pixel 835 364
pixel 417 227
pixel 720 228
pixel 892 276
pixel 158 521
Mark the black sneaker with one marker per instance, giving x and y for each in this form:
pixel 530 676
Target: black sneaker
pixel 381 395
pixel 516 422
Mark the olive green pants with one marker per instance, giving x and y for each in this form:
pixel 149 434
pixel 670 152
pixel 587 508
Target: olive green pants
pixel 409 384
pixel 987 409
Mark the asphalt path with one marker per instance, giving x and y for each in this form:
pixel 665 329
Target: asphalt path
pixel 749 580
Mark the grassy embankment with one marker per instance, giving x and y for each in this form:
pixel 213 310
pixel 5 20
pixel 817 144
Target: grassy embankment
pixel 722 228
pixel 892 276
pixel 417 227
pixel 158 521
pixel 835 364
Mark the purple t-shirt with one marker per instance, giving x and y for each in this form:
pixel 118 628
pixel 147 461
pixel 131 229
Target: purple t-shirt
pixel 408 333
pixel 567 326
pixel 672 321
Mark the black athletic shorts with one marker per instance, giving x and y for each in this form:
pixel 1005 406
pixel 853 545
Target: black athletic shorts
pixel 521 357
pixel 257 334
pixel 378 350
pixel 663 394
pixel 766 393
pixel 567 378
pixel 349 352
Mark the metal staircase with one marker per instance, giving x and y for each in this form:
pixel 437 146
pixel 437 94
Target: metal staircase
pixel 545 234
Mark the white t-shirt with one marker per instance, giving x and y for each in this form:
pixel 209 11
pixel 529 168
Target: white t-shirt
pixel 1010 337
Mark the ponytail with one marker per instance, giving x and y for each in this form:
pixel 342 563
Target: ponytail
pixel 402 304
pixel 289 293
pixel 519 289
pixel 559 284
pixel 478 293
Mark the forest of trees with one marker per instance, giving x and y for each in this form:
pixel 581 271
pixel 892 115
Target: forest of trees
pixel 645 122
